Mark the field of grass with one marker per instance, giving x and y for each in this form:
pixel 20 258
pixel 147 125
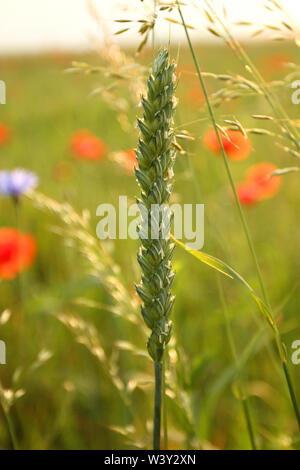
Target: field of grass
pixel 95 389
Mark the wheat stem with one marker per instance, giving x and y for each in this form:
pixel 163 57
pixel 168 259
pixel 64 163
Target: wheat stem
pixel 156 157
pixel 164 407
pixel 157 404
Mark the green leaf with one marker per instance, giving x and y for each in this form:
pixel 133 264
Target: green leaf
pixel 232 274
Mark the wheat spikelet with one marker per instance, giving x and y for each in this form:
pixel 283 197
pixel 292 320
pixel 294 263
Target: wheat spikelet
pixel 156 158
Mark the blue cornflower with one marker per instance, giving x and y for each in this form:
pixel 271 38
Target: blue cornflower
pixel 17 182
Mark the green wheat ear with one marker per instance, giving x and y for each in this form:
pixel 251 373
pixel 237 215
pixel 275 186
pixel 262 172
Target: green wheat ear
pixel 156 157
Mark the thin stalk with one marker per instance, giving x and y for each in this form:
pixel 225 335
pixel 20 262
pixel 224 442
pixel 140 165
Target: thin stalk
pixel 19 282
pixel 240 387
pixel 10 428
pixel 11 431
pixel 153 29
pixel 282 353
pixel 16 205
pixel 246 408
pixel 244 223
pixel 230 336
pixel 164 406
pixel 272 100
pixel 228 170
pixel 291 390
pixel 157 404
pixel 221 241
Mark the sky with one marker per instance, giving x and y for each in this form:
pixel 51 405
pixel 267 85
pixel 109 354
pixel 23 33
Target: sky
pixel 47 25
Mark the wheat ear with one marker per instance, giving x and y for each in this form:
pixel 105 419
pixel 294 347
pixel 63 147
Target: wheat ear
pixel 156 157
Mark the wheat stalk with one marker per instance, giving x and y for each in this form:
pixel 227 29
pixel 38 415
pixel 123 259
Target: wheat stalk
pixel 156 156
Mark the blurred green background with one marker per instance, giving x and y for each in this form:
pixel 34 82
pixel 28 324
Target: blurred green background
pixel 70 402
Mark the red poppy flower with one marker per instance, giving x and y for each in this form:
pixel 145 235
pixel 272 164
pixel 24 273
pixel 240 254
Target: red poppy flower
pixel 127 159
pixel 17 252
pixel 259 184
pixel 5 134
pixel 85 145
pixel 236 145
